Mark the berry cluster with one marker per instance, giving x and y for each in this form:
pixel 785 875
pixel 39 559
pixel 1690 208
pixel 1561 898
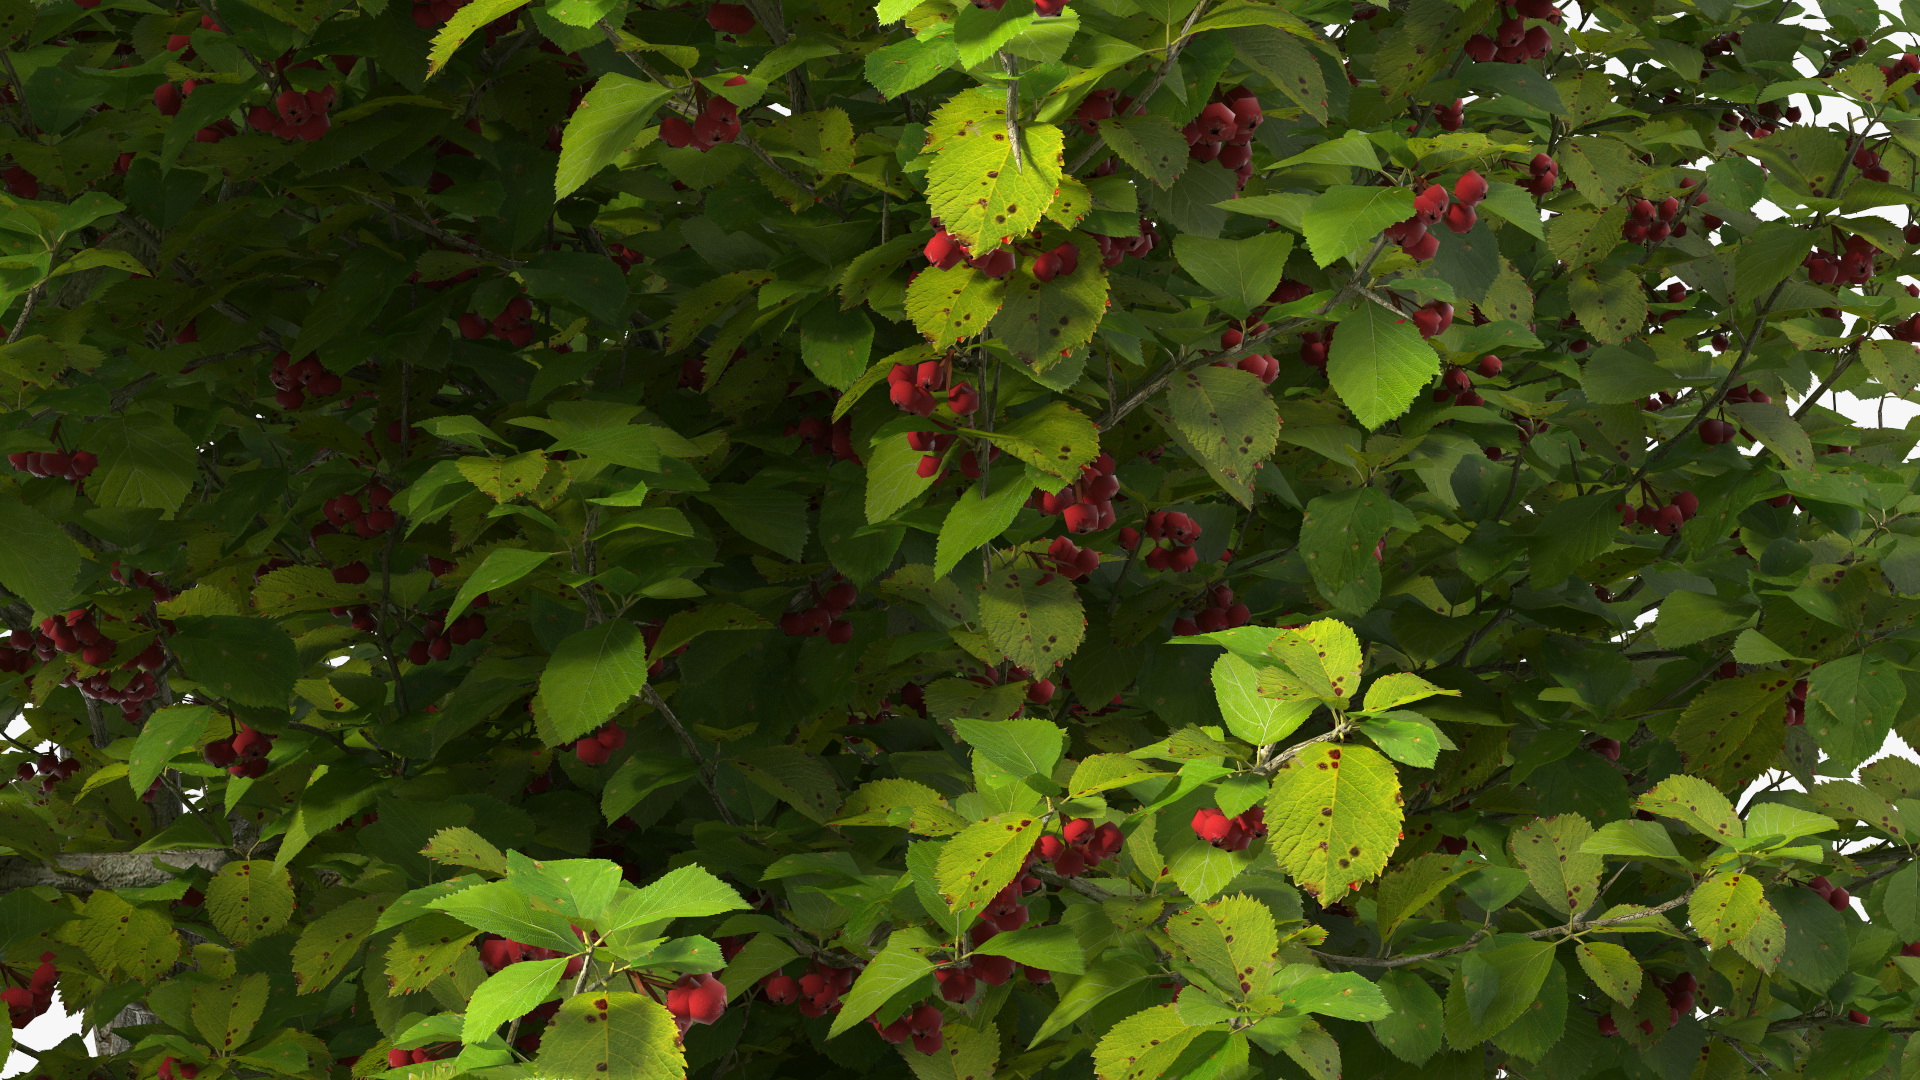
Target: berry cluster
pixel 49 767
pixel 1854 265
pixel 1429 207
pixel 1451 115
pixel 439 638
pixel 1868 162
pixel 696 999
pixel 514 324
pixel 1223 132
pixel 1908 64
pixel 1543 174
pixel 718 122
pixel 1313 346
pixel 77 635
pixel 822 617
pixel 1797 711
pixel 1069 560
pixel 76 466
pixel 597 747
pixel 922 1023
pixel 1836 897
pixel 174 1069
pixel 293 383
pixel 1086 505
pixel 1665 520
pixel 1714 431
pixel 30 996
pixel 912 386
pixel 1115 248
pixel 368 521
pixel 1649 222
pixel 243 755
pixel 1080 847
pixel 1221 612
pixel 824 437
pixel 1100 105
pixel 1513 41
pixel 817 992
pixel 1432 318
pixel 735 19
pixel 1229 833
pixel 295 115
pixel 1456 385
pixel 1178 531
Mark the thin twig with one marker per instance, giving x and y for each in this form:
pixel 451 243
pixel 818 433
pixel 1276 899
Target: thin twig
pixel 707 779
pixel 441 234
pixel 1159 76
pixel 1551 931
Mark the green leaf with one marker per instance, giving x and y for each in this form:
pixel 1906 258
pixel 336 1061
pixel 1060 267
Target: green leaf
pixel 970 1052
pixel 1044 322
pixel 893 477
pixel 1344 217
pixel 514 990
pixel 608 121
pixel 249 661
pixel 1408 888
pixel 1032 616
pixel 462 26
pixel 1767 256
pixel 1787 822
pixel 1225 419
pixel 1106 976
pixel 165 734
pixel 1609 301
pixel 836 344
pixel 1498 985
pixel 975 187
pixel 611 1034
pixel 1550 851
pixel 1052 947
pixel 1573 533
pixel 1342 994
pixel 900 964
pixel 1145 1045
pixel 331 942
pixel 1428 34
pixel 1730 910
pixel 1324 656
pixel 1397 688
pixel 1612 968
pixel 980 861
pixel 1334 817
pixel 773 517
pixel 1407 737
pixel 1285 61
pixel 580 889
pixel 688 892
pixel 978 517
pixel 1337 540
pixel 498 908
pixel 1232 941
pixel 591 675
pixel 1732 729
pixel 1022 747
pixel 589 282
pixel 1695 802
pixel 905 65
pixel 1259 720
pixel 1777 430
pixel 1581 236
pixel 225 1012
pixel 1805 158
pixel 502 567
pixel 249 900
pixel 705 303
pixel 795 777
pixel 952 305
pixel 1852 704
pixel 1102 772
pixel 1151 145
pixel 1378 363
pixel 1690 617
pixel 1055 438
pixel 1633 839
pixel 1414 1025
pixel 1242 272
pixel 1894 364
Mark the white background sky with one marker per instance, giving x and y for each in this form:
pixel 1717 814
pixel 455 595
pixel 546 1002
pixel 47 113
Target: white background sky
pixel 57 1025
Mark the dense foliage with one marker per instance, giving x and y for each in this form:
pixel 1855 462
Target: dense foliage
pixel 1099 538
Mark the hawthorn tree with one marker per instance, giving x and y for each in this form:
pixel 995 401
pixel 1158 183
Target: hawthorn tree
pixel 1099 538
